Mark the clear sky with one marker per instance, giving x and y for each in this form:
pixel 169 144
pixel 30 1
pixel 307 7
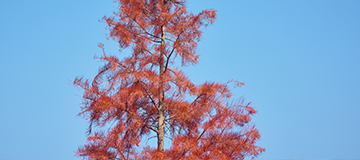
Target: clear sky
pixel 300 61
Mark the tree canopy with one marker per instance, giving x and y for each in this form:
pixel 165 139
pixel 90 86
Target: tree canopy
pixel 147 93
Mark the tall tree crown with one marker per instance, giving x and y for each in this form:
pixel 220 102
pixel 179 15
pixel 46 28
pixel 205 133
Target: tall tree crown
pixel 145 93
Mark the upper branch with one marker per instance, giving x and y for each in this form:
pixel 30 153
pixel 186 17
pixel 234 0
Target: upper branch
pixel 172 51
pixel 137 78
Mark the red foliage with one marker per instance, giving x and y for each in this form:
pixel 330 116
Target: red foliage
pixel 145 93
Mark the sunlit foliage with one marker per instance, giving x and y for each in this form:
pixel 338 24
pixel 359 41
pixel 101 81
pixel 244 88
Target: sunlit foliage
pixel 146 92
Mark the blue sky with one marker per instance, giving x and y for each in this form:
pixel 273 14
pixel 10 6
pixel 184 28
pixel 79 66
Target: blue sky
pixel 300 61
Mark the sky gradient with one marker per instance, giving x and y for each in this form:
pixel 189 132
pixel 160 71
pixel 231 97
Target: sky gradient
pixel 300 61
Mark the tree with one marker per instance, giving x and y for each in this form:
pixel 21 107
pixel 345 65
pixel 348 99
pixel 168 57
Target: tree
pixel 146 93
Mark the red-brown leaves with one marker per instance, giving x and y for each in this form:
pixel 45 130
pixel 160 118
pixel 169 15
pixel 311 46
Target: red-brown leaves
pixel 144 93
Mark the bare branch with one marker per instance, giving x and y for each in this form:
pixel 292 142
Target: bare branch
pixel 168 137
pixel 150 138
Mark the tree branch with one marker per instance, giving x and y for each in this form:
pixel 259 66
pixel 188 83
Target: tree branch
pixel 137 78
pixel 150 138
pixel 172 51
pixel 146 125
pixel 172 117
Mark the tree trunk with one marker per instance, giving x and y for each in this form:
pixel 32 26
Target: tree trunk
pixel 160 135
pixel 161 124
